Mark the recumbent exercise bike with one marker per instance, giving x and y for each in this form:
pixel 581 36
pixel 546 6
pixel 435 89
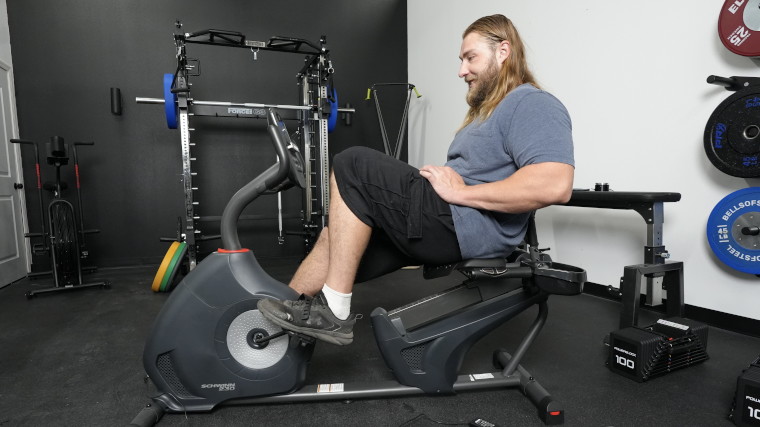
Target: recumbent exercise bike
pixel 210 344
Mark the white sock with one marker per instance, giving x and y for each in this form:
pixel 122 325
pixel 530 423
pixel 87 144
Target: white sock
pixel 339 303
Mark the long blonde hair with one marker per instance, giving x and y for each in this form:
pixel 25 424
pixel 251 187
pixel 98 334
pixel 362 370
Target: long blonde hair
pixel 514 71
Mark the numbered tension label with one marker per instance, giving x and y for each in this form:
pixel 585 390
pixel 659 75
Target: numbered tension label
pixel 624 356
pixel 751 413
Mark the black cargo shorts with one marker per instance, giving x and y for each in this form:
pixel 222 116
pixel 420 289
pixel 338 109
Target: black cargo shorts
pixel 411 224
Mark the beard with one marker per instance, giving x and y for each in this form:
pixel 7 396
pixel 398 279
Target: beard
pixel 485 83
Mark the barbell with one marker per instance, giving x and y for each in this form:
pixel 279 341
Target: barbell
pixel 233 109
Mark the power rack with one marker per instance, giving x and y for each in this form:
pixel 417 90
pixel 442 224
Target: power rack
pixel 315 107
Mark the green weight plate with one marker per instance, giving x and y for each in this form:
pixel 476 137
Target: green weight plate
pixel 156 286
pixel 173 279
pixel 173 266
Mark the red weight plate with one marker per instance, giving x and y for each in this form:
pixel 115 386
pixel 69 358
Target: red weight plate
pixel 739 27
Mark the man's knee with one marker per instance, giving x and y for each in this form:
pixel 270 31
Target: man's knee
pixel 349 157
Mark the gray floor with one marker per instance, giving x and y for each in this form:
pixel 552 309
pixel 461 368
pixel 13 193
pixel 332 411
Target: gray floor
pixel 75 359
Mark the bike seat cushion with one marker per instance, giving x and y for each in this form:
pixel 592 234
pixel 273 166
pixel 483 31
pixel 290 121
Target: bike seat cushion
pixel 550 277
pixel 50 186
pixel 435 271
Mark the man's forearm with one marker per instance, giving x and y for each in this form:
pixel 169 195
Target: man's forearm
pixel 530 188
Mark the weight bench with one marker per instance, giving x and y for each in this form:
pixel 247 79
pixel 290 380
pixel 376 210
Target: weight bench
pixel 650 205
pixel 642 353
pixel 424 343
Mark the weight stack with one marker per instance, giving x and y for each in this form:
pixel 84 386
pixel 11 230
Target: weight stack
pixel 746 410
pixel 670 344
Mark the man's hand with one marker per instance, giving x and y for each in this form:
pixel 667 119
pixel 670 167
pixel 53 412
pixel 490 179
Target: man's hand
pixel 445 181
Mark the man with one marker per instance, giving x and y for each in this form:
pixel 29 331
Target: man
pixel 512 155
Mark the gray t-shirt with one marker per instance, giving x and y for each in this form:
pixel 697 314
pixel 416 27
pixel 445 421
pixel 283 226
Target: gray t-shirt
pixel 528 126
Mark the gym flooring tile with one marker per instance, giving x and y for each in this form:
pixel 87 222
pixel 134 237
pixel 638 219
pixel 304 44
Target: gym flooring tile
pixel 75 358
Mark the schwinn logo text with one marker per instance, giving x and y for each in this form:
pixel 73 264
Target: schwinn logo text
pixel 221 387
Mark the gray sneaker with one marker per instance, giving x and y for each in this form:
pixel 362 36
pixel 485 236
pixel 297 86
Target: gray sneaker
pixel 311 317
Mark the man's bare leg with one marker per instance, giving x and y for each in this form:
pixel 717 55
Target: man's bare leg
pixel 328 319
pixel 343 243
pixel 312 273
pixel 349 237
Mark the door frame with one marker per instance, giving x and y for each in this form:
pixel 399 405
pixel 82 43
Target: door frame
pixel 16 152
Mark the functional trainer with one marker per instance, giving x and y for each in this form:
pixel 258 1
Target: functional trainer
pixel 210 345
pixel 316 112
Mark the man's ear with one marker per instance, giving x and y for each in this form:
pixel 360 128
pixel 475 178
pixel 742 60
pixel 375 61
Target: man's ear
pixel 503 51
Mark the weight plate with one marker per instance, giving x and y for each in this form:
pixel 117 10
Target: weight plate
pixel 170 102
pixel 738 27
pixel 247 327
pixel 733 230
pixel 173 280
pixel 332 120
pixel 156 286
pixel 732 135
pixel 174 265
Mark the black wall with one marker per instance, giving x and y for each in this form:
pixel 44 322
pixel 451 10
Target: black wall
pixel 68 53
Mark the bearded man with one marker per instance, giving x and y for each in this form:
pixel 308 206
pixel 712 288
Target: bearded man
pixel 512 155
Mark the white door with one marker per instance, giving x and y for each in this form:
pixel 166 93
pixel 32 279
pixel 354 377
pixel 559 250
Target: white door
pixel 13 252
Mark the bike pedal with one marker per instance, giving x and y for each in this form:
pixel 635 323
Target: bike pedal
pixel 305 339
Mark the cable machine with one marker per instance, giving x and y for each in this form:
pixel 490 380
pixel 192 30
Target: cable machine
pixel 316 107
